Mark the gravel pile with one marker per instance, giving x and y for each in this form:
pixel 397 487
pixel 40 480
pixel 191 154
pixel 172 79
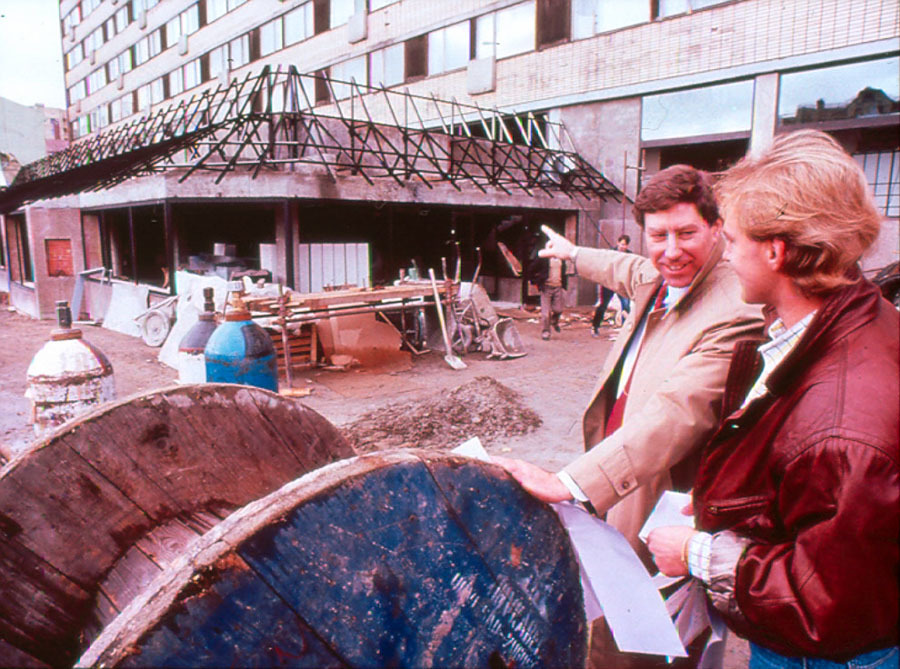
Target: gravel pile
pixel 480 408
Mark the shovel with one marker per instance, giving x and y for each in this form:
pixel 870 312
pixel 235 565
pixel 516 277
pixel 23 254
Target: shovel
pixel 450 359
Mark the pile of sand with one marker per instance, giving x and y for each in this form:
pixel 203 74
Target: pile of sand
pixel 480 408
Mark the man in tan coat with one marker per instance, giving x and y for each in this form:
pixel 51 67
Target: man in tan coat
pixel 659 396
pixel 660 389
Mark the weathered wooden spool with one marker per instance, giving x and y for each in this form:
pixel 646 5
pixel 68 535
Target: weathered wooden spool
pixel 92 513
pixel 400 558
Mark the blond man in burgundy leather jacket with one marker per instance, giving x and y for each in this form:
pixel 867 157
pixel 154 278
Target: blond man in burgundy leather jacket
pixel 798 493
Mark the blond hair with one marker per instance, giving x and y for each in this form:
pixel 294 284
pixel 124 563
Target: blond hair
pixel 810 193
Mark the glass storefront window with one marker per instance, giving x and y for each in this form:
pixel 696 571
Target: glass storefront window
pixel 858 90
pixel 882 170
pixel 699 111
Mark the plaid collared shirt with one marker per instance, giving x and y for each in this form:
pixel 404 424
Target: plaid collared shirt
pixel 781 341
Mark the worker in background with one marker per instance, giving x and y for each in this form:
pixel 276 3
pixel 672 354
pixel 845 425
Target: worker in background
pixel 798 495
pixel 606 296
pixel 659 394
pixel 548 274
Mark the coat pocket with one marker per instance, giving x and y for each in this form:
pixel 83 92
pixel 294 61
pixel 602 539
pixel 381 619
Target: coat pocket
pixel 741 514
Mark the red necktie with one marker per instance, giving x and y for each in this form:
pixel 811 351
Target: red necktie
pixel 614 421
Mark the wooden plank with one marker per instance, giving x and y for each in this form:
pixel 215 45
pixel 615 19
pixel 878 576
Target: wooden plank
pixel 133 573
pixel 39 604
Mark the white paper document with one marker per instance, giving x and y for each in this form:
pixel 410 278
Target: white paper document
pixel 668 512
pixel 634 609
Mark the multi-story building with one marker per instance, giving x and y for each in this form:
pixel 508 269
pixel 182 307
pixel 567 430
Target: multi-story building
pixel 627 86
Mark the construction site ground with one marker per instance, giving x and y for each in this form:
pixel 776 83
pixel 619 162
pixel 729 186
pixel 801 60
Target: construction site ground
pixel 528 407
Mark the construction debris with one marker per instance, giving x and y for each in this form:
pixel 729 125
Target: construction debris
pixel 481 408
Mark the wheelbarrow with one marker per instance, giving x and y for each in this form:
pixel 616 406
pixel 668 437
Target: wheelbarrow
pixel 156 322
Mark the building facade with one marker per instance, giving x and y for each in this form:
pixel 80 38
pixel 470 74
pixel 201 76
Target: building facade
pixel 634 86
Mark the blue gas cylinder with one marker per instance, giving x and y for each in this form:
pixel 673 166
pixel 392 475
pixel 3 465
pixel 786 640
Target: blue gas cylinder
pixel 240 351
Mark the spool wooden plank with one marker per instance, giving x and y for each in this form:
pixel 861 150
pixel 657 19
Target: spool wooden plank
pixel 90 514
pixel 403 558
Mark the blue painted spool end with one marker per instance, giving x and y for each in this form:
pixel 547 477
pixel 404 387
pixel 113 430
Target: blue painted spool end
pixel 240 351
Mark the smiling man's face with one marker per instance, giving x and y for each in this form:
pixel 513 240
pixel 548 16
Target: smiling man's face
pixel 679 242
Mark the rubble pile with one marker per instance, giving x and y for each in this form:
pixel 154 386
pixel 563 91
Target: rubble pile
pixel 481 408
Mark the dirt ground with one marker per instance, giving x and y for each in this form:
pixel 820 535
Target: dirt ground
pixel 528 407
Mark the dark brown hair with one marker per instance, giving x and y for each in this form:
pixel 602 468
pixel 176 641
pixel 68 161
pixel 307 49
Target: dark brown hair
pixel 673 185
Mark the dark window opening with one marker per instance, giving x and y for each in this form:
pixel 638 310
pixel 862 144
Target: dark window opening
pixel 321 92
pixel 709 156
pixel 321 16
pixel 416 57
pixel 18 251
pixel 553 22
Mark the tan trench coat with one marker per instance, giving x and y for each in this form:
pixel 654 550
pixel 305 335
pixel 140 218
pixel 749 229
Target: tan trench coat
pixel 674 401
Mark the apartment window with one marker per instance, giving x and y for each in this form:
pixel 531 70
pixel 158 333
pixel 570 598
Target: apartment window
pixel 321 16
pixel 673 7
pixel 340 12
pixel 81 127
pixel 150 94
pixel 725 108
pixel 448 48
pixel 124 61
pixel 218 61
pixel 112 69
pixel 386 66
pixel 215 9
pixel 186 23
pixel 99 117
pixel 349 70
pixel 192 75
pixel 416 57
pixel 591 17
pixel 96 80
pixel 515 34
pixel 148 47
pixel 91 5
pixel 271 36
pixel 20 269
pixel 553 21
pixel 75 56
pixel 882 170
pixel 72 19
pixel 121 108
pixel 856 91
pixel 299 24
pixel 138 6
pixel 239 51
pixel 94 40
pixel 122 19
pixel 78 92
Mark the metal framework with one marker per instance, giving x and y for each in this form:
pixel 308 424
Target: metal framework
pixel 271 121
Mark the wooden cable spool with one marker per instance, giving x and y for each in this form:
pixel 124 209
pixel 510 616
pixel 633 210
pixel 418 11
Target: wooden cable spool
pixel 91 514
pixel 402 558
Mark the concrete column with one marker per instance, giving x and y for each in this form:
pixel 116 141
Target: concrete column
pixel 286 242
pixel 765 112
